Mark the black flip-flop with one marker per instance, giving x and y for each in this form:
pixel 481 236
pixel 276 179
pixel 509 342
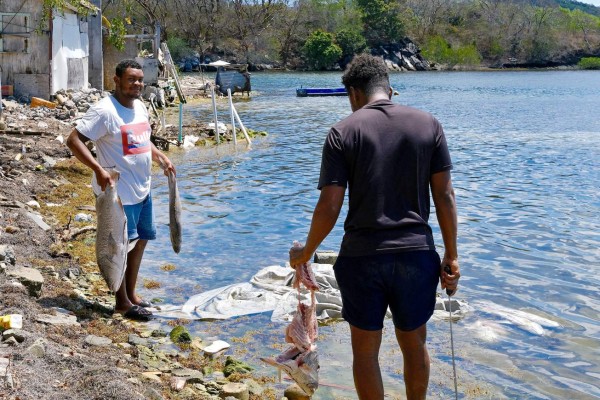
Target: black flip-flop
pixel 138 313
pixel 145 304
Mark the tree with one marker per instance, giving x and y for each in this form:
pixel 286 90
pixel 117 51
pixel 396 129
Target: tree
pixel 320 50
pixel 350 41
pixel 381 21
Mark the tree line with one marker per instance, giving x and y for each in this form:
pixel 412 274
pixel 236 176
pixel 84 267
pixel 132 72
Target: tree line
pixel 318 34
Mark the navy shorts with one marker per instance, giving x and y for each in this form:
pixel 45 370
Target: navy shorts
pixel 140 220
pixel 405 282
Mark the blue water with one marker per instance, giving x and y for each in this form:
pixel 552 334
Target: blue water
pixel 526 151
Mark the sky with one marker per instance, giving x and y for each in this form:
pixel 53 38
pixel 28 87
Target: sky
pixel 594 2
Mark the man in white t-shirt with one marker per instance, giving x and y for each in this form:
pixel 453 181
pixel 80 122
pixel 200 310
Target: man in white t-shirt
pixel 119 126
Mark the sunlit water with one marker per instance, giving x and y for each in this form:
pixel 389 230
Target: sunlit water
pixel 526 151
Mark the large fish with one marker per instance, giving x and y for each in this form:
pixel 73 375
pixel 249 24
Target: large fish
pixel 111 235
pixel 174 213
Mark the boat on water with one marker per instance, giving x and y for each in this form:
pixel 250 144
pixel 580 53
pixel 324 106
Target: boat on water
pixel 310 92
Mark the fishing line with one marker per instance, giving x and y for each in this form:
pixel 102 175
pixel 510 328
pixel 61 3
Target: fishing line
pixel 449 292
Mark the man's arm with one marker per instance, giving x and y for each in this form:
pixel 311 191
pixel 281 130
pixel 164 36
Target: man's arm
pixel 445 207
pixel 324 218
pixel 162 160
pixel 76 142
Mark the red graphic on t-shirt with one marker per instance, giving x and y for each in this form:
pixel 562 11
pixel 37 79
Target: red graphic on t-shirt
pixel 136 138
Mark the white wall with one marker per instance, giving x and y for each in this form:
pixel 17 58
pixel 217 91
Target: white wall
pixel 70 51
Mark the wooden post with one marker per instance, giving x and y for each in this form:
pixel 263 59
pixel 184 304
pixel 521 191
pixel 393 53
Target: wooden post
pixel 214 103
pixel 232 118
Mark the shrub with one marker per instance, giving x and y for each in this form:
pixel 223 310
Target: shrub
pixel 320 50
pixel 438 50
pixel 350 41
pixel 589 63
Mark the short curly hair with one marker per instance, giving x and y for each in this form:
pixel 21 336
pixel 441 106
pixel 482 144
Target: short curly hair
pixel 123 65
pixel 367 73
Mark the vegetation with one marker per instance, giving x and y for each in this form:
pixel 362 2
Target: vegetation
pixel 589 63
pixel 320 33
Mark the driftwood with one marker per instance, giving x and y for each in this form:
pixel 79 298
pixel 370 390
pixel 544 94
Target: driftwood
pixel 70 234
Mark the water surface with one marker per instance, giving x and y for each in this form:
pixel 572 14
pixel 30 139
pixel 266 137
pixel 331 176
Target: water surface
pixel 526 150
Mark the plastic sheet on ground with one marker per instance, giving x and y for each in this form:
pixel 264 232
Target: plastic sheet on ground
pixel 270 290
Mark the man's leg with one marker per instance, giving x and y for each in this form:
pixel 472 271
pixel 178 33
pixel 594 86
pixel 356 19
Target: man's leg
pixel 134 260
pixel 365 366
pixel 416 361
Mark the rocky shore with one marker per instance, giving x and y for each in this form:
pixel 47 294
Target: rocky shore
pixel 70 345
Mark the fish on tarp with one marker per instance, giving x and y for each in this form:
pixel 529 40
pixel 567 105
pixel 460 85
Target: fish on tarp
pixel 111 235
pixel 174 213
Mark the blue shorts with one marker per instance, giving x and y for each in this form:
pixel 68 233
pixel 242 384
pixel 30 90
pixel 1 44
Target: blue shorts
pixel 406 282
pixel 140 220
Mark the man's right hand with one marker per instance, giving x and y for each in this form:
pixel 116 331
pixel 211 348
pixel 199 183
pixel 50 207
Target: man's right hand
pixel 103 178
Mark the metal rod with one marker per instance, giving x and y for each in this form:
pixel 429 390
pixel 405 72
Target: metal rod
pixel 180 134
pixel 214 104
pixel 242 126
pixel 232 118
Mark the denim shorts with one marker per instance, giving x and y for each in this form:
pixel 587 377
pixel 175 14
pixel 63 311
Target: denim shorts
pixel 140 220
pixel 405 282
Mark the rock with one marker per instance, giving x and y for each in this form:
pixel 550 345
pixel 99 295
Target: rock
pixel 37 349
pixel 11 229
pixel 293 392
pixel 216 347
pixel 59 319
pixel 4 363
pixel 152 394
pixel 31 278
pixel 234 366
pixel 254 388
pixel 33 204
pixel 37 218
pixel 100 341
pixel 153 376
pixel 325 257
pixel 10 342
pixel 190 375
pixel 158 333
pixel 136 340
pixel 180 334
pixel 18 334
pixel 7 254
pixel 235 390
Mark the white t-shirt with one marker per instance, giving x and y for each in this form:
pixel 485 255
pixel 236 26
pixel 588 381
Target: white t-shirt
pixel 122 138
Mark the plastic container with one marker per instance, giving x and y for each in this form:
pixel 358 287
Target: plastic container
pixel 11 321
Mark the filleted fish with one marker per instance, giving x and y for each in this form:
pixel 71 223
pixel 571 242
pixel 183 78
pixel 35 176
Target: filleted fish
pixel 301 361
pixel 111 235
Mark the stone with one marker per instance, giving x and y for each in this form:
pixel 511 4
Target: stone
pixel 18 334
pixel 135 340
pixel 325 257
pixel 190 375
pixel 7 254
pixel 4 363
pixel 37 349
pixel 31 278
pixel 152 376
pixel 11 341
pixel 180 334
pixel 152 394
pixel 12 229
pixel 33 204
pixel 177 383
pixel 39 221
pixel 216 347
pixel 59 319
pixel 233 366
pixel 294 392
pixel 100 341
pixel 254 388
pixel 236 390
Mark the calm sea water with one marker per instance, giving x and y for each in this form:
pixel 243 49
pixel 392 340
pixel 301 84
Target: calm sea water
pixel 526 151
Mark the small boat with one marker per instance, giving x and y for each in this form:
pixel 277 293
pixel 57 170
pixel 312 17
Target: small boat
pixel 310 92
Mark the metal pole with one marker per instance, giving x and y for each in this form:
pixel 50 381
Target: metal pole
pixel 242 126
pixel 214 103
pixel 232 118
pixel 180 135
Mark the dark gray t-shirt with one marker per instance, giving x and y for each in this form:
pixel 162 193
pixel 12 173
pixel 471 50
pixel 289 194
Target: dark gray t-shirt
pixel 385 153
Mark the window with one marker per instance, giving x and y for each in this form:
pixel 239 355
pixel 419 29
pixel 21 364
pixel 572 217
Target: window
pixel 14 32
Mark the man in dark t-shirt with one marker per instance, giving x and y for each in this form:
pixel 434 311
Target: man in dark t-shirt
pixel 389 156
